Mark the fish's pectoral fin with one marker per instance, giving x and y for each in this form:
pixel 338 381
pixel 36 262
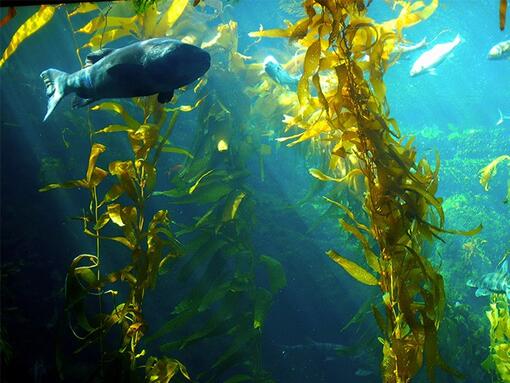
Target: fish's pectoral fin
pixel 432 71
pixel 79 102
pixel 165 97
pixel 95 56
pixel 127 72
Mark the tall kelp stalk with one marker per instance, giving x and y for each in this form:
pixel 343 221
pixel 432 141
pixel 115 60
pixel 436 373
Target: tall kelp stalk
pixel 227 301
pixel 347 54
pixel 120 209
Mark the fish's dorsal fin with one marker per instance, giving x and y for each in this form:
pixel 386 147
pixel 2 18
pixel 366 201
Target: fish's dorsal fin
pixel 95 56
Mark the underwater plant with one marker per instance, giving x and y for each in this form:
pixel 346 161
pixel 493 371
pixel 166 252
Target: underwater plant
pixel 499 318
pixel 349 115
pixel 227 299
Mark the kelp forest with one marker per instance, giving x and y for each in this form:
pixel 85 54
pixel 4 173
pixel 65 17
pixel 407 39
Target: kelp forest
pixel 244 229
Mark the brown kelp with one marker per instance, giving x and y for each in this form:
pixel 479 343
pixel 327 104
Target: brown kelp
pixel 346 56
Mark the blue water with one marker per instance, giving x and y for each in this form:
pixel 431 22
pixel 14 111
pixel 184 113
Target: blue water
pixel 453 113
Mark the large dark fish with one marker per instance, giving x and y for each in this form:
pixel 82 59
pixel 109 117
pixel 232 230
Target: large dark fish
pixel 498 282
pixel 144 68
pixel 274 70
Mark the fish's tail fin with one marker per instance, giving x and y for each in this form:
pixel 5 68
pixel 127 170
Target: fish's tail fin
pixel 458 39
pixel 55 81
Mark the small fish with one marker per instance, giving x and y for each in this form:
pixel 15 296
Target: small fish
pixel 402 49
pixel 174 170
pixel 500 51
pixel 429 60
pixel 329 351
pixel 274 70
pixel 502 118
pixel 363 372
pixel 497 282
pixel 154 66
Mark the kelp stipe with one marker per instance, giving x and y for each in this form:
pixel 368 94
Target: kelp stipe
pixel 347 54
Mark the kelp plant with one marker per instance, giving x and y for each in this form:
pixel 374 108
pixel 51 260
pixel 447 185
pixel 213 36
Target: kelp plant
pixel 118 200
pixel 347 54
pixel 226 298
pixel 226 301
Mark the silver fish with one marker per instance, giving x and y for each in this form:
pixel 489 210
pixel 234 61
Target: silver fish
pixel 429 60
pixel 497 282
pixel 329 351
pixel 500 51
pixel 502 118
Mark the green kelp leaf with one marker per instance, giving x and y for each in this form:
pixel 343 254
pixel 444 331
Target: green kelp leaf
pixel 177 150
pixel 432 200
pixel 213 193
pixel 263 301
pixel 171 326
pixel 277 279
pixel 204 218
pixel 195 185
pixel 370 256
pixel 380 320
pixel 356 271
pixel 202 255
pixel 466 233
pixel 364 309
pixel 349 213
pixel 115 129
pixel 232 205
pixel 28 28
pixel 218 325
pixel 66 185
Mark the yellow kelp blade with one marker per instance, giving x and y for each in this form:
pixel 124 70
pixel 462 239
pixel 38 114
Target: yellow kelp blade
pixel 323 177
pixel 490 171
pixel 356 271
pixel 169 18
pixel 84 8
pixel 29 27
pixel 96 150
